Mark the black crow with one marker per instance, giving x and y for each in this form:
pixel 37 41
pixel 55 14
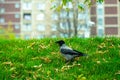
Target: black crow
pixel 68 52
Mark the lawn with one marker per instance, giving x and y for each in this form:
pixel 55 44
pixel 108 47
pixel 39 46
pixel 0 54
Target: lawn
pixel 41 60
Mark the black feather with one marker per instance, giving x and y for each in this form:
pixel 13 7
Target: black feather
pixel 80 53
pixel 72 52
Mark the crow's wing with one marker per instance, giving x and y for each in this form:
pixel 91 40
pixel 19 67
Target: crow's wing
pixel 80 53
pixel 71 52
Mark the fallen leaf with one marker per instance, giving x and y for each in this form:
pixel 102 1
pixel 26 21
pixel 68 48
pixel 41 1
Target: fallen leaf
pixel 117 72
pixel 56 70
pixel 13 75
pixel 46 59
pixel 31 45
pixel 118 46
pixel 98 62
pixel 67 67
pixel 8 63
pixel 48 73
pixel 35 58
pixel 13 68
pixel 105 60
pixel 81 77
pixel 20 49
pixel 53 53
pixel 38 66
pixel 102 45
pixel 42 46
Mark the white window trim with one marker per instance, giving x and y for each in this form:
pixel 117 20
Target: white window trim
pixel 17 26
pixel 2 10
pixel 2 20
pixel 17 15
pixel 54 27
pixel 17 5
pixel 27 6
pixel 40 16
pixel 41 6
pixel 41 27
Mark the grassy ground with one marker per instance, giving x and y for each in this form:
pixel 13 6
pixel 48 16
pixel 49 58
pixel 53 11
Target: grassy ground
pixel 41 60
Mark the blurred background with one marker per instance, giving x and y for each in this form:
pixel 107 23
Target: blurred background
pixel 28 19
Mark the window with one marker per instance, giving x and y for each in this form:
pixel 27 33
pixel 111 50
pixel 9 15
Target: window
pixel 69 5
pixel 100 21
pixel 100 5
pixel 2 10
pixel 99 11
pixel 81 16
pixel 17 5
pixel 72 25
pixel 63 25
pixel 54 27
pixel 81 36
pixel 27 16
pixel 1 31
pixel 40 16
pixel 53 36
pixel 54 4
pixel 70 14
pixel 17 15
pixel 63 35
pixel 27 27
pixel 82 4
pixel 27 6
pixel 54 16
pixel 17 36
pixel 1 1
pixel 63 14
pixel 41 27
pixel 17 26
pixel 41 6
pixel 40 36
pixel 79 27
pixel 27 37
pixel 100 32
pixel 2 20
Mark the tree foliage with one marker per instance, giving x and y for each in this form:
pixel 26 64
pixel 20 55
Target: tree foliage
pixel 7 33
pixel 77 7
pixel 65 2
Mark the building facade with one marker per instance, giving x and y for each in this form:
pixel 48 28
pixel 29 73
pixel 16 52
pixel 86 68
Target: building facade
pixel 10 16
pixel 107 18
pixel 34 19
pixel 38 20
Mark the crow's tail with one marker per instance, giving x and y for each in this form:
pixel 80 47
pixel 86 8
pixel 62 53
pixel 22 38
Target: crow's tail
pixel 81 54
pixel 84 54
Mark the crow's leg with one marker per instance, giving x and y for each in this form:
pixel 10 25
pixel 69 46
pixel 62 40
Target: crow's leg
pixel 67 61
pixel 71 60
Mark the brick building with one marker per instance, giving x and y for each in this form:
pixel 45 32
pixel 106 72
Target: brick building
pixel 33 19
pixel 107 18
pixel 10 15
pixel 37 19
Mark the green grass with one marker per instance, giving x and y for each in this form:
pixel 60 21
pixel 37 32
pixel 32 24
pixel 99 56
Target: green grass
pixel 41 60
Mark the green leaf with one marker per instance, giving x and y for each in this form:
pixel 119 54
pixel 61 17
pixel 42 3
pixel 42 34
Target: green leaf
pixel 59 8
pixel 52 0
pixel 100 1
pixel 64 2
pixel 53 7
pixel 80 7
pixel 67 9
